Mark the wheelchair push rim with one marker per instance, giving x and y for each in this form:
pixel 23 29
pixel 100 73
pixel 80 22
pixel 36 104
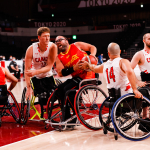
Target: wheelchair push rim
pixel 87 102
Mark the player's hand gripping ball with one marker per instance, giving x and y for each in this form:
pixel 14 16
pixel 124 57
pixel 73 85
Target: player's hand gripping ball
pixel 90 59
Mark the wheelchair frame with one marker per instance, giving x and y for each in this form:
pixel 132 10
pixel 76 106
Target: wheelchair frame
pixel 125 117
pixel 54 120
pixel 27 105
pixel 12 105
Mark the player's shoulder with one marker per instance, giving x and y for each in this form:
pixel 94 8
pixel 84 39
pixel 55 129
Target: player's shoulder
pixel 139 53
pixel 53 46
pixel 124 60
pixel 30 48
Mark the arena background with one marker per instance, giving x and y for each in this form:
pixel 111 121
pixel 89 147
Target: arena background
pixel 98 22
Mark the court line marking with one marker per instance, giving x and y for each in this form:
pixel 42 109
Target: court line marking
pixel 27 139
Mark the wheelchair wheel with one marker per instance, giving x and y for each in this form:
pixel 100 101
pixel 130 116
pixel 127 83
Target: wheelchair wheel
pixel 54 109
pixel 105 117
pixel 87 102
pixel 25 107
pixel 14 107
pixel 127 114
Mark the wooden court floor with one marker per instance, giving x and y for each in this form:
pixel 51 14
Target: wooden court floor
pixel 80 138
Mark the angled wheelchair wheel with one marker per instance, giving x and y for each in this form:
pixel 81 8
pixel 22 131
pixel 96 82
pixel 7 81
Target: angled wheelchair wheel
pixel 127 117
pixel 13 107
pixel 87 103
pixel 25 107
pixel 54 109
pixel 105 116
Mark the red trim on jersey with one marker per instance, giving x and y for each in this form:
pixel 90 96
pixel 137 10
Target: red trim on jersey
pixel 2 77
pixel 128 86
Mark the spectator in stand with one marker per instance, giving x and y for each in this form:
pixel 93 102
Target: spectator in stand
pixel 13 68
pixel 10 57
pixel 100 59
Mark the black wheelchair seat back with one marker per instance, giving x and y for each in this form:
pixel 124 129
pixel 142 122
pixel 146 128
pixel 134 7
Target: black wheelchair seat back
pixel 145 90
pixel 97 75
pixel 3 94
pixel 114 94
pixel 93 81
pixel 145 76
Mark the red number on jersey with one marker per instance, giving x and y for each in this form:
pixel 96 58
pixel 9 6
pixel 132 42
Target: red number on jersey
pixel 110 75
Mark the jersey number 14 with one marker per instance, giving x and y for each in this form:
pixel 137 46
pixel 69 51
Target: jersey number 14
pixel 110 74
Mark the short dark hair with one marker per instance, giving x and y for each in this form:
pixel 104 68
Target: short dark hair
pixel 42 30
pixel 144 37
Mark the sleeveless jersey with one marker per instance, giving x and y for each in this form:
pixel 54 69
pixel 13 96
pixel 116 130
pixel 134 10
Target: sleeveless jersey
pixel 146 66
pixel 40 60
pixel 71 57
pixel 2 77
pixel 115 77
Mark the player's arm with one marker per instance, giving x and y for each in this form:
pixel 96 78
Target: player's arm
pixel 59 67
pixel 126 67
pixel 12 78
pixel 87 47
pixel 135 61
pixel 28 61
pixel 64 71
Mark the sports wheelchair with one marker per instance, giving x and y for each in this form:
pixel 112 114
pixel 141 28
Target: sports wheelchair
pixel 124 115
pixel 30 108
pixel 8 105
pixel 85 110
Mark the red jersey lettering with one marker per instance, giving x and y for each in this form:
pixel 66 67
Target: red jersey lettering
pixel 110 74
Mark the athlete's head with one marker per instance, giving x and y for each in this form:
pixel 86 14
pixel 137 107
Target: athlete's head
pixel 113 49
pixel 42 30
pixel 62 43
pixel 146 39
pixel 43 35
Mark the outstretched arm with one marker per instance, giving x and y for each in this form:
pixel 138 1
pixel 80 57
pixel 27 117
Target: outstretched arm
pixel 87 47
pixel 126 67
pixel 12 78
pixel 134 62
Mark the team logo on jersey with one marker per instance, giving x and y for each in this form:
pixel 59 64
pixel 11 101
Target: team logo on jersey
pixel 74 57
pixel 40 59
pixel 148 60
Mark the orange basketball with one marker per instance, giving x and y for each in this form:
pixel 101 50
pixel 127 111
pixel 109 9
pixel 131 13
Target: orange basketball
pixel 90 59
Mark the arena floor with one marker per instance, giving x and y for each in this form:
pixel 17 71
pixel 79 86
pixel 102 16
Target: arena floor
pixel 80 138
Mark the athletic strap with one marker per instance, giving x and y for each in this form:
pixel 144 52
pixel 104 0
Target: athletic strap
pixel 67 71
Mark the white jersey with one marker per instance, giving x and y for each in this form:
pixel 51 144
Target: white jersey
pixel 146 66
pixel 40 60
pixel 115 77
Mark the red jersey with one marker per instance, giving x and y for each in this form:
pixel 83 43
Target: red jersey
pixel 2 77
pixel 71 57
